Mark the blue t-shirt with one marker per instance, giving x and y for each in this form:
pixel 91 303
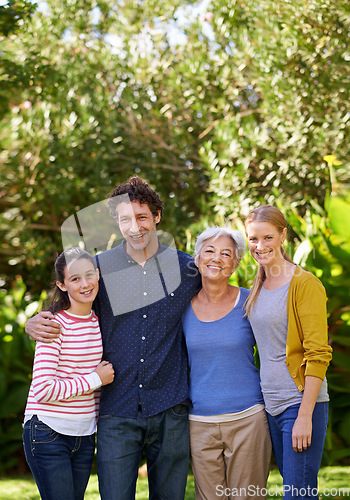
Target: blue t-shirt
pixel 223 377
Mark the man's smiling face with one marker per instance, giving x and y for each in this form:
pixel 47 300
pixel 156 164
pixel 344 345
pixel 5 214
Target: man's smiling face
pixel 138 226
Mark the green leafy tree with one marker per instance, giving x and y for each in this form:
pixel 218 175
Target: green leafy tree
pixel 81 122
pixel 284 70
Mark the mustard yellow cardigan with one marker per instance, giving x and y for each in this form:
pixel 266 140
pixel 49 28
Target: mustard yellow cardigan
pixel 307 350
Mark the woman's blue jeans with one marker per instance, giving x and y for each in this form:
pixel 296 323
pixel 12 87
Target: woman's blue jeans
pixel 298 469
pixel 60 464
pixel 166 442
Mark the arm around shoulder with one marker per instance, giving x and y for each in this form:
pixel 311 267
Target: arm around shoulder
pixel 42 327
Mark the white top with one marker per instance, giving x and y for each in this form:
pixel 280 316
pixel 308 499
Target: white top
pixel 63 390
pixel 227 417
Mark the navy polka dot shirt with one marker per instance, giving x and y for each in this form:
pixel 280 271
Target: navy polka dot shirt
pixel 140 311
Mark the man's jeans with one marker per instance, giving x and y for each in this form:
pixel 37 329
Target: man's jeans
pixel 60 464
pixel 165 439
pixel 298 469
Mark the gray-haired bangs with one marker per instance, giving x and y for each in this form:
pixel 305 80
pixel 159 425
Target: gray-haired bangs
pixel 215 232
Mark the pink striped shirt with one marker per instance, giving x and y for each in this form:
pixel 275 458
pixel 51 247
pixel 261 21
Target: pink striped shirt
pixel 64 383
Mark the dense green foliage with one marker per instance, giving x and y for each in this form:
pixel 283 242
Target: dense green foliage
pixel 16 359
pixel 219 108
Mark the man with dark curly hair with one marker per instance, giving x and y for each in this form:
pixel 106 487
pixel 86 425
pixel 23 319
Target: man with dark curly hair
pixel 144 289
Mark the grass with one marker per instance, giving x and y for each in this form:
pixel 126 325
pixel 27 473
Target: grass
pixel 334 484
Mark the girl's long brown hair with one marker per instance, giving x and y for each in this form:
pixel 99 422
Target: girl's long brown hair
pixel 264 213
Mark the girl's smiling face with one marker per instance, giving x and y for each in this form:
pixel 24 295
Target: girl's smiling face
pixel 264 242
pixel 81 284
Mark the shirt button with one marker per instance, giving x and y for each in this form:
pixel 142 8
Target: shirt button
pixel 300 387
pixel 142 360
pixel 145 316
pixel 144 293
pixel 140 386
pixel 294 375
pixel 143 338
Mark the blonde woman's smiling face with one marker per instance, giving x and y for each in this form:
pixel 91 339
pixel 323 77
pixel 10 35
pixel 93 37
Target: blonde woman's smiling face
pixel 264 242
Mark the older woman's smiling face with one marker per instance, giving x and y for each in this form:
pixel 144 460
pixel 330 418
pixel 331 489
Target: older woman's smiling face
pixel 217 258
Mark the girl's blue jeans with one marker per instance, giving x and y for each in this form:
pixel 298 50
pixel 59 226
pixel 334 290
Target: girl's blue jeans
pixel 60 464
pixel 298 469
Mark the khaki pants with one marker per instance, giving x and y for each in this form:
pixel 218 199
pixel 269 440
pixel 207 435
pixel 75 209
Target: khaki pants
pixel 231 459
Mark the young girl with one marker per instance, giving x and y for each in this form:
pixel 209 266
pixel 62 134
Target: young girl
pixel 62 407
pixel 287 311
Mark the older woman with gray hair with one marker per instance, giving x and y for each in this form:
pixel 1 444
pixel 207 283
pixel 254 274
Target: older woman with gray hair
pixel 230 441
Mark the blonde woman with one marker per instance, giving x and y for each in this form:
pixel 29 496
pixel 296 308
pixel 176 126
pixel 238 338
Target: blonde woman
pixel 287 310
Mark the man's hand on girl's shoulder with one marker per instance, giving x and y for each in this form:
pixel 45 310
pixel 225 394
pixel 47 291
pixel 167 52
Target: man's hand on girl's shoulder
pixel 42 327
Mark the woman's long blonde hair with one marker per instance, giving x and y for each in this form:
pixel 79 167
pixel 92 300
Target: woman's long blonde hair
pixel 264 213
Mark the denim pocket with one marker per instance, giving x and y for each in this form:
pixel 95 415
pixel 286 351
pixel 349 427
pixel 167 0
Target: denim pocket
pixel 42 433
pixel 179 410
